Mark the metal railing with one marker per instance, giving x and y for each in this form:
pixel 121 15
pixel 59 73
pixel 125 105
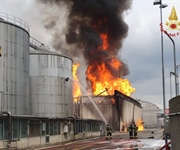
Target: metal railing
pixel 14 20
pixel 37 45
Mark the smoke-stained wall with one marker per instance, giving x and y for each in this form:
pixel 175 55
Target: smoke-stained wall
pixel 118 110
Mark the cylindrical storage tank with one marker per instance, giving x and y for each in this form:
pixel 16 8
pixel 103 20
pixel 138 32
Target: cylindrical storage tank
pixel 14 65
pixel 174 122
pixel 51 84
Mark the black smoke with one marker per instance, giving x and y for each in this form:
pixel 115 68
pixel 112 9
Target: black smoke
pixel 87 19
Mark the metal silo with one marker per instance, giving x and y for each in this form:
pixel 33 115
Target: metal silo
pixel 51 84
pixel 14 65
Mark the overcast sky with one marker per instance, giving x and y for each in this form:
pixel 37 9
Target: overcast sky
pixel 141 49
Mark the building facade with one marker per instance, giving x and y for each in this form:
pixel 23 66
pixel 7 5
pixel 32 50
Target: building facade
pixel 150 115
pixel 35 92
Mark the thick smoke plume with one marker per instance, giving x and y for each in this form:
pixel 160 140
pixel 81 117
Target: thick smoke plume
pixel 86 21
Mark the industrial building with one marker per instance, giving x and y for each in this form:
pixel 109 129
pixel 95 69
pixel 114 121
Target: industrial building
pixel 118 110
pixel 151 115
pixel 35 92
pixel 36 98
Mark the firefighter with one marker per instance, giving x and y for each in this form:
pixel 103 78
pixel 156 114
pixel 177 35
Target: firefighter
pixel 131 129
pixel 108 132
pixel 135 132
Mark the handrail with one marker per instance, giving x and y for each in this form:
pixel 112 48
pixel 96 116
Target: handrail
pixel 37 45
pixel 166 146
pixel 15 20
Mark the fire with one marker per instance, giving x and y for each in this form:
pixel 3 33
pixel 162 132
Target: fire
pixel 76 87
pixel 140 125
pixel 105 44
pixel 101 77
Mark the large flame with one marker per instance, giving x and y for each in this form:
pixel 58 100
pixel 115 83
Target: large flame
pixel 76 87
pixel 101 78
pixel 105 80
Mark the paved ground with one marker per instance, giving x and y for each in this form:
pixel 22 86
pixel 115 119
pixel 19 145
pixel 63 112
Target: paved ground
pixel 145 134
pixel 147 140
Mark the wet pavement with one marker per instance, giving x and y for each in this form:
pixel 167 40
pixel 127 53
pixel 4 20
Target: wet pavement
pixel 147 140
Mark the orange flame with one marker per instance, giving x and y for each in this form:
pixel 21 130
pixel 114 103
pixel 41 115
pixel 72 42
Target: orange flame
pixel 103 79
pixel 76 87
pixel 140 125
pixel 105 44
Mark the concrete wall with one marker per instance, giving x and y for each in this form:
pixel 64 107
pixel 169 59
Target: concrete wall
pixel 90 112
pixel 174 122
pixel 35 142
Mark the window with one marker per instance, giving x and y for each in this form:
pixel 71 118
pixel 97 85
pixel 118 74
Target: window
pixel 47 127
pixel 6 129
pixel 1 129
pixel 95 126
pixel 23 128
pixel 15 129
pixel 43 128
pixel 88 126
pixel 54 127
pixel 34 128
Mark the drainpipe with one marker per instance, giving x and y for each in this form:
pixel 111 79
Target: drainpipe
pixel 10 126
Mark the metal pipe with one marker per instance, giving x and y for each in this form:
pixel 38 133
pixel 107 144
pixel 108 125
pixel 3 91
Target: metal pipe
pixel 162 59
pixel 170 84
pixel 174 51
pixel 106 89
pixel 178 78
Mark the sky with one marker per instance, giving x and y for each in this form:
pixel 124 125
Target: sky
pixel 141 49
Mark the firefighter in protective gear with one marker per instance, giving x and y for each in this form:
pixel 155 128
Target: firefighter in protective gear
pixel 131 129
pixel 135 132
pixel 108 132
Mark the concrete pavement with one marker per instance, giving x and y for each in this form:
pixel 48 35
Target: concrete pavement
pixel 148 139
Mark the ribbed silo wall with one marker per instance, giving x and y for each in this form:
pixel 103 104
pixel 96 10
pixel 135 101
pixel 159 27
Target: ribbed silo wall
pixel 51 94
pixel 14 66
